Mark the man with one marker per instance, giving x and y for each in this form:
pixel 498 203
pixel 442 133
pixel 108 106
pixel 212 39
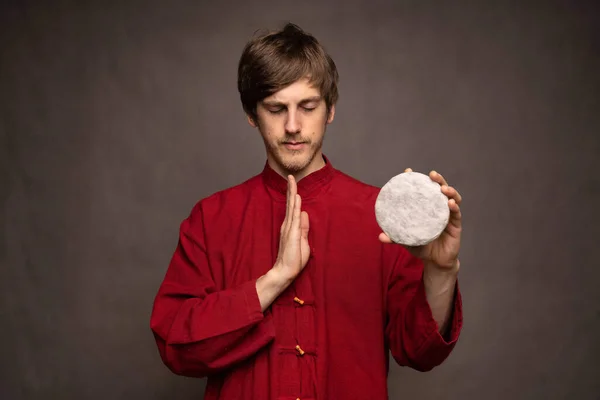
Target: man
pixel 284 287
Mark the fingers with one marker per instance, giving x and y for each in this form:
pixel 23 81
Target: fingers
pixel 449 191
pixel 437 177
pixel 294 220
pixel 295 225
pixel 291 200
pixel 287 198
pixel 454 201
pixel 452 193
pixel 304 224
pixel 455 214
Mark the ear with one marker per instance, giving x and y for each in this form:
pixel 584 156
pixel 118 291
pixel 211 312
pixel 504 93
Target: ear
pixel 251 121
pixel 331 114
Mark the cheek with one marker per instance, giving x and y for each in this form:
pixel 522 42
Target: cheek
pixel 266 130
pixel 269 127
pixel 271 134
pixel 317 125
pixel 322 120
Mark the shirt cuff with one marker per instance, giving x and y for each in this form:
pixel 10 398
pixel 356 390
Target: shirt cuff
pixel 433 338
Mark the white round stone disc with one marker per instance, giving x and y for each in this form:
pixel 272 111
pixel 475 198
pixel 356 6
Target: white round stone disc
pixel 411 209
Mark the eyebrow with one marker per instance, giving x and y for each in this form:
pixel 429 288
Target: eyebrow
pixel 274 103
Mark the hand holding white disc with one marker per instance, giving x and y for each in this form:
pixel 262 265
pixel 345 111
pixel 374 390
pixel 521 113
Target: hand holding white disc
pixel 411 209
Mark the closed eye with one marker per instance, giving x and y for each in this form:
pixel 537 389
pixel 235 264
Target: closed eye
pixel 280 110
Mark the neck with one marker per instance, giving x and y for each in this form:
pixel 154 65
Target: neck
pixel 316 164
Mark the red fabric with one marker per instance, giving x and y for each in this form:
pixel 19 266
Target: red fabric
pixel 361 298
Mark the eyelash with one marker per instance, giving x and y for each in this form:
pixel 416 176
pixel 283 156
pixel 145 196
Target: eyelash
pixel 283 109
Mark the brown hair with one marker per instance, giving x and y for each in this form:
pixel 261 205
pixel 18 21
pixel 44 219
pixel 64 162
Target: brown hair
pixel 277 59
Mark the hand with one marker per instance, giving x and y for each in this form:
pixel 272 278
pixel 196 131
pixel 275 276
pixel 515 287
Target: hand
pixel 443 251
pixel 294 249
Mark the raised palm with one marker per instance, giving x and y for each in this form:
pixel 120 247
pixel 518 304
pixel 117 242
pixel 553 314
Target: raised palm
pixel 294 249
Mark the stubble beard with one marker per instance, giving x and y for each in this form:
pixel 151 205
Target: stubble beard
pixel 294 161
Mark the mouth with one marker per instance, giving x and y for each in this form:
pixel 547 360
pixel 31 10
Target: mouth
pixel 294 145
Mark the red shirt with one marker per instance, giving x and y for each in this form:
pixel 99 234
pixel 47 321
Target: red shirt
pixel 328 336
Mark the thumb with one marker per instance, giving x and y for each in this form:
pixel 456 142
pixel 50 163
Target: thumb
pixel 384 238
pixel 304 224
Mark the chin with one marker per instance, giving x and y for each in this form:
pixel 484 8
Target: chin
pixel 295 161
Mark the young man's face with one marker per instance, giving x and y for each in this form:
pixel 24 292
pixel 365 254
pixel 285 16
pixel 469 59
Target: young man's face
pixel 292 123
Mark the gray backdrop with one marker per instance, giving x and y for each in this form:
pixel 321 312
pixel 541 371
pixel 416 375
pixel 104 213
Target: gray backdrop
pixel 116 117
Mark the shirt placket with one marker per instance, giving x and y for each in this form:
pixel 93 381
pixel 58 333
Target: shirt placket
pixel 306 346
pixel 294 311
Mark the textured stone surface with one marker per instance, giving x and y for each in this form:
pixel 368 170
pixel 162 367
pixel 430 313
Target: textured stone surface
pixel 411 209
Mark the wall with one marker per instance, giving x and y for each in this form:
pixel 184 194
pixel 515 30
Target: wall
pixel 115 117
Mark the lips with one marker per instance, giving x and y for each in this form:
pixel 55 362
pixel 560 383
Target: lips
pixel 294 145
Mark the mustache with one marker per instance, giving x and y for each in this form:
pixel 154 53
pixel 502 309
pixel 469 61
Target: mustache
pixel 294 140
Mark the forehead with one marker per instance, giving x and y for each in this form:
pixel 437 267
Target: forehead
pixel 294 93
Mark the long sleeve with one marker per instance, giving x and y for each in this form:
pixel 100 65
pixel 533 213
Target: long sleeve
pixel 199 327
pixel 411 330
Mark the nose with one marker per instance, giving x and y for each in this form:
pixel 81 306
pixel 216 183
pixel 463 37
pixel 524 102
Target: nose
pixel 292 123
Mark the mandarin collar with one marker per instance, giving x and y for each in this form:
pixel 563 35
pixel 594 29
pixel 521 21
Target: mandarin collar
pixel 308 187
